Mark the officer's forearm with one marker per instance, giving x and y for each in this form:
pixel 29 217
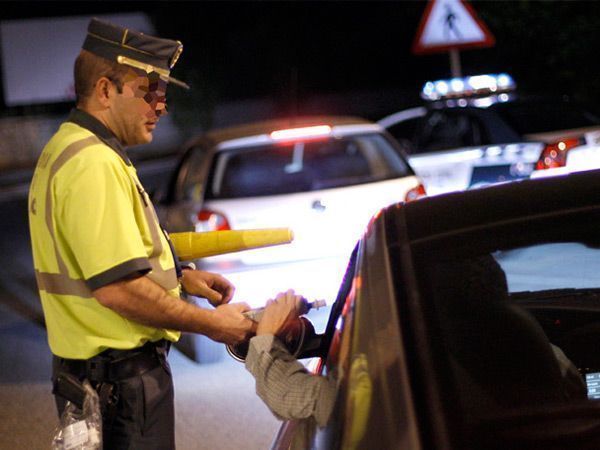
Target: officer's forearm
pixel 143 301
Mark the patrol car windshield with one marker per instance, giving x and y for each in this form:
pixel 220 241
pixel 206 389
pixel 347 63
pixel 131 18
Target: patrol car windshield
pixel 303 166
pixel 539 116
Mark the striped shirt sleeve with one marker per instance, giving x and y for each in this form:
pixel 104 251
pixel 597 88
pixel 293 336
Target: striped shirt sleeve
pixel 284 384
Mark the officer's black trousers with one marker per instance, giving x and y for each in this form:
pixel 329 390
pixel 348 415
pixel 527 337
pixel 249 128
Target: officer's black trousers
pixel 145 418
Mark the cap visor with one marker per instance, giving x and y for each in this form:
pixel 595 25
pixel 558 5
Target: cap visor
pixel 179 83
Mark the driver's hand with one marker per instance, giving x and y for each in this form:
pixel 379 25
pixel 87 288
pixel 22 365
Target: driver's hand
pixel 280 312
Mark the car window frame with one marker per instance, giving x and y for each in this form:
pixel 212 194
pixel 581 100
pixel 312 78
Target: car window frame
pixel 431 374
pixel 195 162
pixel 470 115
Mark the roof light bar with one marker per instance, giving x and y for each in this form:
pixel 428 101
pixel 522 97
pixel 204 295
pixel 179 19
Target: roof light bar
pixel 299 133
pixel 476 85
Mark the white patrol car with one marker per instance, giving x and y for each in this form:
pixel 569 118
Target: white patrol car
pixel 323 177
pixel 476 131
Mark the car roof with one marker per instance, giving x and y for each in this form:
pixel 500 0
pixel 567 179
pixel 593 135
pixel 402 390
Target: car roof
pixel 499 216
pixel 515 99
pixel 220 135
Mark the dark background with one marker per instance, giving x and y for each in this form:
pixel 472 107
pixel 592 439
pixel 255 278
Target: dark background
pixel 287 51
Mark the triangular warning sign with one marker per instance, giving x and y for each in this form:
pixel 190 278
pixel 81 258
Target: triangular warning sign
pixel 450 24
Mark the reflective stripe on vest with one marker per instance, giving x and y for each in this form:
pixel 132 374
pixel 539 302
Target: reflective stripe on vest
pixel 57 283
pixel 165 278
pixel 61 283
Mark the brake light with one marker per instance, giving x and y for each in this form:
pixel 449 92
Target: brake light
pixel 415 193
pixel 555 154
pixel 209 220
pixel 301 133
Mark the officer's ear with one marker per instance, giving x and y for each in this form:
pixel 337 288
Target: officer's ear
pixel 102 91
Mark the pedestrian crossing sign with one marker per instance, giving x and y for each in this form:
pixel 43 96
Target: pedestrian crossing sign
pixel 450 24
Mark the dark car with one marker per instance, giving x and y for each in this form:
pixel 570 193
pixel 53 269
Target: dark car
pixel 470 330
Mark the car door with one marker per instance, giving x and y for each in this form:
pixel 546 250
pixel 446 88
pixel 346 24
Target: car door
pixel 365 349
pixel 460 148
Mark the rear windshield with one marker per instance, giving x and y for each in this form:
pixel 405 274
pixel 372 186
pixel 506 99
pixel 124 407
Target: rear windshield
pixel 304 166
pixel 541 116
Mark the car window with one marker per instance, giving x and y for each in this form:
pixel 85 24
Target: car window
pixel 405 131
pixel 513 329
pixel 551 266
pixel 447 129
pixel 304 166
pixel 526 117
pixel 192 174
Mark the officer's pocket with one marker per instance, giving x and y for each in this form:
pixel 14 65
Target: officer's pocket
pixel 130 416
pixel 158 400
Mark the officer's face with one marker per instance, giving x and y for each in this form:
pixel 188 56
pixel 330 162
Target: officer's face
pixel 136 110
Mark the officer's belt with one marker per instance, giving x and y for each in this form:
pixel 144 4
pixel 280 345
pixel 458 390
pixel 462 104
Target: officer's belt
pixel 114 365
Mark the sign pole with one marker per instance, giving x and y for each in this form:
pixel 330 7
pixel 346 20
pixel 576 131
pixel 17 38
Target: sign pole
pixel 455 63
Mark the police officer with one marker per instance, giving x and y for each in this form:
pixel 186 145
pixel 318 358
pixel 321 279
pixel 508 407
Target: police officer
pixel 108 279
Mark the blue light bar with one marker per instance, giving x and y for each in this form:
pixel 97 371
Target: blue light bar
pixel 476 85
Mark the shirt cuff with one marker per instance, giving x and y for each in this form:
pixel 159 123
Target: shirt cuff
pixel 138 265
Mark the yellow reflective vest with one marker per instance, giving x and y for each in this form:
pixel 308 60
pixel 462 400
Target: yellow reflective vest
pixel 92 223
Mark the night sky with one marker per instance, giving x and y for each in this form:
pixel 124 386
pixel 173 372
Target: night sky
pixel 239 50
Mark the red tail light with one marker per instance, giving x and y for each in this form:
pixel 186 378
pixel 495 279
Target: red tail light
pixel 209 220
pixel 555 154
pixel 415 193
